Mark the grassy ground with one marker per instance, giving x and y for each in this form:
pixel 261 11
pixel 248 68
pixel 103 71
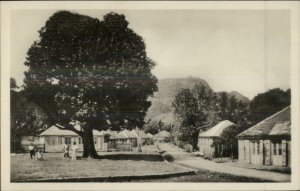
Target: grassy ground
pixel 206 176
pixel 280 169
pixel 117 164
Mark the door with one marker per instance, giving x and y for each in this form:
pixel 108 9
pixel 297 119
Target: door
pixel 276 153
pixel 266 152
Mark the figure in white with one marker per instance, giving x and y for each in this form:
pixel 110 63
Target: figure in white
pixel 74 149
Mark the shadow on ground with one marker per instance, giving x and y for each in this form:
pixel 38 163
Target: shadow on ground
pixel 135 157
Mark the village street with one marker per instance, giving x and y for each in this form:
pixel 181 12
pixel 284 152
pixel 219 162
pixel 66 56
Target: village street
pixel 188 159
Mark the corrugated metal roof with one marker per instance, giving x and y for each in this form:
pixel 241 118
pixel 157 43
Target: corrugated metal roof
pixel 217 130
pixel 277 124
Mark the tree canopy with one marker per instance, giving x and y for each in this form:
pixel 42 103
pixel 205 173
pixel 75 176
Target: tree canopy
pixel 265 104
pixel 196 110
pixel 90 71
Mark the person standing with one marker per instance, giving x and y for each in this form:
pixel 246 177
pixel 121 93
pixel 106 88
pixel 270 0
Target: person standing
pixel 74 149
pixel 31 150
pixel 66 151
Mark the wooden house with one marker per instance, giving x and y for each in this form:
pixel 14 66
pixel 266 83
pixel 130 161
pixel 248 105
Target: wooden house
pixel 141 136
pixel 54 139
pixel 267 142
pixel 207 140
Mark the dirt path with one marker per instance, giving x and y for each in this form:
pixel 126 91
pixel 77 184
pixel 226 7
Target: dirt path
pixel 188 159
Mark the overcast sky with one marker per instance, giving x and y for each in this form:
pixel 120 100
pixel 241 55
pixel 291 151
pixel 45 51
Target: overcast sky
pixel 233 50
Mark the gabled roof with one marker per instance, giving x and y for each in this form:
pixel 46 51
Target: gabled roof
pixel 55 131
pixel 114 134
pixel 128 134
pixel 149 135
pixel 163 134
pixel 140 133
pixel 217 130
pixel 278 124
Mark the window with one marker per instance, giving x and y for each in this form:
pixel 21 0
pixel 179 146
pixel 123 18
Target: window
pixel 253 147
pixel 95 139
pixel 279 149
pixel 258 148
pixel 274 149
pixel 79 140
pixel 67 140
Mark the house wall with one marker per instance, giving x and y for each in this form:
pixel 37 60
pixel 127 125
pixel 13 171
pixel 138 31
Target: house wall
pixel 205 148
pixel 56 143
pixel 264 152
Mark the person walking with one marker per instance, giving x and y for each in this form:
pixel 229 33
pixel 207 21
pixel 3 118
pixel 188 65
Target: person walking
pixel 31 150
pixel 74 149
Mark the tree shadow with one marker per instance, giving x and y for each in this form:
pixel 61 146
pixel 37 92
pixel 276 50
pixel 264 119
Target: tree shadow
pixel 135 157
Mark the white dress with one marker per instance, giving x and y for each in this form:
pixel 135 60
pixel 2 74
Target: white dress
pixel 74 149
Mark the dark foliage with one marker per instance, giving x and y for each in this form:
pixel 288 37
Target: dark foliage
pixel 91 71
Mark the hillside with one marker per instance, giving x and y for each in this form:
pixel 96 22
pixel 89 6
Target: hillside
pixel 161 107
pixel 239 97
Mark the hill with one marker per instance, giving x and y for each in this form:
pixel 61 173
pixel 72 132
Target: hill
pixel 161 102
pixel 161 107
pixel 239 97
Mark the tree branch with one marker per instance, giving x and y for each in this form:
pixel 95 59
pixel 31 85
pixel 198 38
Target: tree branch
pixel 69 127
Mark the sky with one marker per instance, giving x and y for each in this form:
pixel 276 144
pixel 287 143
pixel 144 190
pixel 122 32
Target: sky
pixel 233 50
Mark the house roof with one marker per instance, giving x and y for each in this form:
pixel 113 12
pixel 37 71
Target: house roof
pixel 217 130
pixel 55 131
pixel 163 134
pixel 140 133
pixel 114 134
pixel 278 124
pixel 128 134
pixel 149 135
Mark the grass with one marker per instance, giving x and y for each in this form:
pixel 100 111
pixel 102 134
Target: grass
pixel 279 169
pixel 116 164
pixel 206 176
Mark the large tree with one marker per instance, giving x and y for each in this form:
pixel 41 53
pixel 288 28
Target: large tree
pixel 196 110
pixel 93 72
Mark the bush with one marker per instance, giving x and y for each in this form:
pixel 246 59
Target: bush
pixel 168 157
pixel 188 148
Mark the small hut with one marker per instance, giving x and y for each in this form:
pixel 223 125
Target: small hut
pixel 208 140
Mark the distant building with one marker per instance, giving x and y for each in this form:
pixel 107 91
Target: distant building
pixel 150 138
pixel 207 139
pixel 141 136
pixel 267 142
pixel 53 139
pixel 163 136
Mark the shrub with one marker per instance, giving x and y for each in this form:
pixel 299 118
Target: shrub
pixel 168 157
pixel 188 148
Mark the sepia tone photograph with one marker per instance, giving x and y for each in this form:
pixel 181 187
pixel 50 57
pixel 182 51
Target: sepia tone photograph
pixel 124 95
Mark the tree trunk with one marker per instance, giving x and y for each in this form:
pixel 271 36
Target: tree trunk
pixel 88 144
pixel 195 140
